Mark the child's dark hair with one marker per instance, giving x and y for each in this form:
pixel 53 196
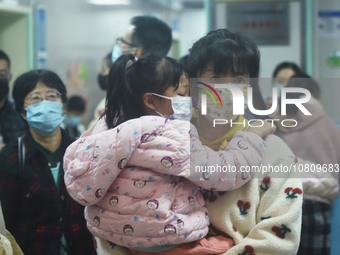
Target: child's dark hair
pixel 129 80
pixel 227 53
pixel 76 104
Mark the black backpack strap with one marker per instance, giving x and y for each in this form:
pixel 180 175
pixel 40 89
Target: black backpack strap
pixel 21 154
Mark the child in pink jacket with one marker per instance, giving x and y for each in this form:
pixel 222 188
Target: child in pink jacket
pixel 139 172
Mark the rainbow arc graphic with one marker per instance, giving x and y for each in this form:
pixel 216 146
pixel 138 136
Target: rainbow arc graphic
pixel 211 92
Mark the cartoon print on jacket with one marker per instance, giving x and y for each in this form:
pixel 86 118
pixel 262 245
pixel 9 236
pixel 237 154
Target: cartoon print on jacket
pixel 113 201
pixel 100 193
pixel 167 162
pixel 129 174
pixel 128 230
pixel 140 184
pixel 180 224
pixel 96 221
pixel 170 229
pixel 152 204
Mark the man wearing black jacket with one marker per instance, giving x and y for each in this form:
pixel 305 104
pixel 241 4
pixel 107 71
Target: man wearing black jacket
pixel 11 124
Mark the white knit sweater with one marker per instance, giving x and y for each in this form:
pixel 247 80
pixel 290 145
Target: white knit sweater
pixel 263 217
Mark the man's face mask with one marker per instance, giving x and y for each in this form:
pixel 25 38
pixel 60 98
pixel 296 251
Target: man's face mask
pixel 44 117
pixel 4 88
pixel 117 51
pixel 121 47
pixel 181 107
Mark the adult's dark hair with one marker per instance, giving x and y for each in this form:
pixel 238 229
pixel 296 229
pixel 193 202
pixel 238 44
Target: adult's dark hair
pixel 227 53
pixel 76 104
pixel 287 65
pixel 184 60
pixel 27 82
pixel 153 35
pixel 129 80
pixel 5 57
pixel 301 80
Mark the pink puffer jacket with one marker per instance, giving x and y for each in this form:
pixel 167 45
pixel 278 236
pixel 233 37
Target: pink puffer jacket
pixel 140 182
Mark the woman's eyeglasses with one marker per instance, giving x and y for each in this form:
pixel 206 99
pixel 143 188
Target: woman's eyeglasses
pixel 36 97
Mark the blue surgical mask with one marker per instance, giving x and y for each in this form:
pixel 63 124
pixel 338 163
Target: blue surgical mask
pixel 72 121
pixel 181 106
pixel 44 117
pixel 117 51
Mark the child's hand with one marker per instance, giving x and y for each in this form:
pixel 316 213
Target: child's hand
pixel 264 128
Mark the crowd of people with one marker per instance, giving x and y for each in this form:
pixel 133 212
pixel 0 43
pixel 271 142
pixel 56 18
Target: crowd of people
pixel 129 184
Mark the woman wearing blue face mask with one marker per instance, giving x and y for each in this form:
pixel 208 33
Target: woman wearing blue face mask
pixel 36 206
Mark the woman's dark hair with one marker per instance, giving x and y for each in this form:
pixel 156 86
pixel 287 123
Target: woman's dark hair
pixel 301 80
pixel 27 82
pixel 129 80
pixel 227 53
pixel 285 65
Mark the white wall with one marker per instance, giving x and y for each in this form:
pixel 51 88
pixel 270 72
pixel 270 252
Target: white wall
pixel 78 37
pixel 329 76
pixel 81 34
pixel 193 25
pixel 273 55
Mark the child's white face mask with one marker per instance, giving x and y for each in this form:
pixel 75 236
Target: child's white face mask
pixel 181 106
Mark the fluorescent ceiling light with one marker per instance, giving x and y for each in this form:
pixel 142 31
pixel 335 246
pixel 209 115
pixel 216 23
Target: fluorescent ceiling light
pixel 109 2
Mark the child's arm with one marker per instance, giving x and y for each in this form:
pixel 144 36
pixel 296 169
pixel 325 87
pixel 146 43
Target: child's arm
pixel 226 169
pixel 176 150
pixel 93 162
